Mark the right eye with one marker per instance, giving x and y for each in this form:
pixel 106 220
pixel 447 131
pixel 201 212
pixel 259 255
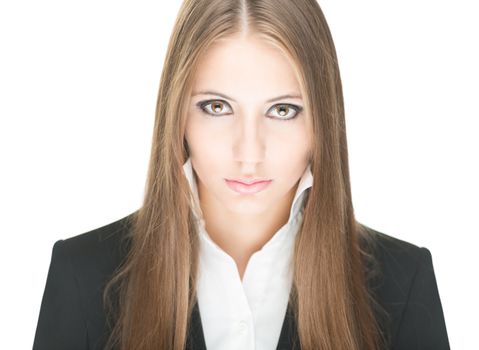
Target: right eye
pixel 212 107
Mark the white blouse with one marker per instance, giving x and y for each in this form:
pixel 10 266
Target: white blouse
pixel 246 314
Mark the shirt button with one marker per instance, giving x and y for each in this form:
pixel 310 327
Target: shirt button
pixel 243 327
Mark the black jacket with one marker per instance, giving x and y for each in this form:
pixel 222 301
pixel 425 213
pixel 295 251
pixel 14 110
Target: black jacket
pixel 71 314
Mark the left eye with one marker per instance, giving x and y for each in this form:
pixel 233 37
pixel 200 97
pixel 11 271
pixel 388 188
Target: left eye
pixel 284 111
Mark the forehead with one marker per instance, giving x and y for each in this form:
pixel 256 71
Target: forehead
pixel 245 66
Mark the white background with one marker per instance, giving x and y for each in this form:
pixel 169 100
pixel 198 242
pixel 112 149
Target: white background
pixel 78 85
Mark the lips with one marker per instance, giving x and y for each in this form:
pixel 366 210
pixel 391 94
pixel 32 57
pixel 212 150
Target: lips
pixel 248 181
pixel 241 187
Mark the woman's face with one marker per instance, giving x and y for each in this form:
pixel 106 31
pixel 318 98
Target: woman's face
pixel 241 131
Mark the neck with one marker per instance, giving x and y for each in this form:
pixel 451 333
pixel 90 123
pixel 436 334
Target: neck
pixel 241 235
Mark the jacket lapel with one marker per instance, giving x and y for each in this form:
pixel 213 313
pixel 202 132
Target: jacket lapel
pixel 289 338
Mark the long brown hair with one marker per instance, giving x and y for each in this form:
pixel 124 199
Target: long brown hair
pixel 330 300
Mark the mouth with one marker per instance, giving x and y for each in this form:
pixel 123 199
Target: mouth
pixel 248 181
pixel 248 188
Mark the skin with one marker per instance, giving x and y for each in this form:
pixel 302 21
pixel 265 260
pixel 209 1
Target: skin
pixel 246 137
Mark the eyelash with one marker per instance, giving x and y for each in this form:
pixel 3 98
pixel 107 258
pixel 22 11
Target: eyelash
pixel 201 105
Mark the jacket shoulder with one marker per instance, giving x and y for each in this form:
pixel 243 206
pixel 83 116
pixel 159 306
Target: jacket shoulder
pixel 395 263
pixel 97 246
pixel 72 314
pixel 392 247
pixel 409 310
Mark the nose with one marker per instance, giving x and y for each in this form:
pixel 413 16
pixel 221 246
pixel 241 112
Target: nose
pixel 249 139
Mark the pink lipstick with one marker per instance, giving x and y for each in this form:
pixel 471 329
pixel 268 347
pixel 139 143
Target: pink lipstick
pixel 248 188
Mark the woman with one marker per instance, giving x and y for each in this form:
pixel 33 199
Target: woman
pixel 250 93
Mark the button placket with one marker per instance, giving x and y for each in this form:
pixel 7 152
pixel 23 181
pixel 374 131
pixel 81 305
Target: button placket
pixel 243 327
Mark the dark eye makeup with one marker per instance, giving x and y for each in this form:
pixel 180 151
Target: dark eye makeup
pixel 204 107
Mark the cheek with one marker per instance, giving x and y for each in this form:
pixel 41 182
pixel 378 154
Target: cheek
pixel 292 145
pixel 203 141
pixel 194 134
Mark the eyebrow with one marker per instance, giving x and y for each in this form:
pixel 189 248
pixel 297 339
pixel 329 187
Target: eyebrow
pixel 232 99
